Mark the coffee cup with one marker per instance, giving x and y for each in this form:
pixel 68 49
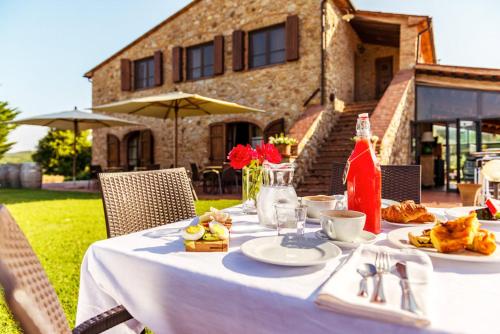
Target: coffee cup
pixel 342 225
pixel 318 203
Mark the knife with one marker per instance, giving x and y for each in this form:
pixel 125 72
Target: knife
pixel 408 302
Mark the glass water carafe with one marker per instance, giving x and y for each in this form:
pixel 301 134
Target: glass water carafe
pixel 277 188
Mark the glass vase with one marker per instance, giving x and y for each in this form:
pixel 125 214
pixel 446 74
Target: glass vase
pixel 250 186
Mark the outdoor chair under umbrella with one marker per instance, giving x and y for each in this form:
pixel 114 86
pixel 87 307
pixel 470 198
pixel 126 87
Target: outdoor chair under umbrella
pixel 75 120
pixel 172 105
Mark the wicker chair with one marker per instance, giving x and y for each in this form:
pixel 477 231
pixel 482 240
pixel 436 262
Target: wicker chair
pixel 136 201
pixel 29 294
pixel 399 182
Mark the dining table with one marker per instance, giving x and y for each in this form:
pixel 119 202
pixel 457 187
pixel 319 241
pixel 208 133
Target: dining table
pixel 169 290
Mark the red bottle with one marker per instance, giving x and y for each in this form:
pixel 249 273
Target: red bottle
pixel 363 176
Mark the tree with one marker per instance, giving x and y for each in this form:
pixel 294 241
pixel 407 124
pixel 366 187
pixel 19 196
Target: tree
pixel 6 115
pixel 55 153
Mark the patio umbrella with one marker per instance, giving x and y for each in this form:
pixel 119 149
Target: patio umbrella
pixel 172 105
pixel 74 120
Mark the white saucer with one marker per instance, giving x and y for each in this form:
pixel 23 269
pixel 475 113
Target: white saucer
pixel 365 238
pixel 313 220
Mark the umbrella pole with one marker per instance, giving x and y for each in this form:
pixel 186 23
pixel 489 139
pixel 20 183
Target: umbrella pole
pixel 176 111
pixel 75 134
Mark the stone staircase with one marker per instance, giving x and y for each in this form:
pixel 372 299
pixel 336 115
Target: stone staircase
pixel 336 148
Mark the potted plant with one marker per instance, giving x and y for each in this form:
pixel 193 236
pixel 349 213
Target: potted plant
pixel 283 144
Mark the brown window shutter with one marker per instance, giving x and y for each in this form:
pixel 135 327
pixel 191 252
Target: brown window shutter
pixel 238 50
pixel 126 74
pixel 177 64
pixel 217 143
pixel 158 59
pixel 274 128
pixel 219 55
pixel 113 156
pixel 146 153
pixel 292 37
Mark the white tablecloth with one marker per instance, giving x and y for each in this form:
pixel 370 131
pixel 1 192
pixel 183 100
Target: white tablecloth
pixel 171 291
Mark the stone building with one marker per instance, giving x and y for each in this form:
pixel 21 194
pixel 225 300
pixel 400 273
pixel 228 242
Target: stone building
pixel 312 65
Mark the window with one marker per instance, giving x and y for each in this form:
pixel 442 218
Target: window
pixel 200 61
pixel 133 150
pixel 144 73
pixel 267 46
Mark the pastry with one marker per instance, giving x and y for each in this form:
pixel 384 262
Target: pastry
pixel 406 212
pixel 455 236
pixel 483 242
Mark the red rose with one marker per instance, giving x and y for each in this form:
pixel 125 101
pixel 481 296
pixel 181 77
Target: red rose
pixel 240 156
pixel 268 152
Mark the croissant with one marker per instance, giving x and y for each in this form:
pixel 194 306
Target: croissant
pixel 406 212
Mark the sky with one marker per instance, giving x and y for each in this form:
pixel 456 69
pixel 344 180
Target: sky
pixel 47 46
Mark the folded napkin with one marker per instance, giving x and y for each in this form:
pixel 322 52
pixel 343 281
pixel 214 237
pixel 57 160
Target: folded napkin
pixel 340 292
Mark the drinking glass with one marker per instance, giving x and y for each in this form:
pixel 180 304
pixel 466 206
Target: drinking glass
pixel 290 219
pixel 340 202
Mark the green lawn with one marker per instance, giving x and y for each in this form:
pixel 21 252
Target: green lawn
pixel 60 226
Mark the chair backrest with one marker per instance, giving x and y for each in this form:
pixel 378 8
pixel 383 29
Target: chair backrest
pixel 399 182
pixel 27 290
pixel 195 174
pixel 135 201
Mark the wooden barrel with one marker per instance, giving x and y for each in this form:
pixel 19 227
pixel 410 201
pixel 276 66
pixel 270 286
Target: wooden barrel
pixel 13 171
pixel 3 176
pixel 30 175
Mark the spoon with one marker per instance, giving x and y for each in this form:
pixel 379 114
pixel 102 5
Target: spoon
pixel 366 270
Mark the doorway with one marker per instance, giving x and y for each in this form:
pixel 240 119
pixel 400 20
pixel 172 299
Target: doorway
pixel 383 75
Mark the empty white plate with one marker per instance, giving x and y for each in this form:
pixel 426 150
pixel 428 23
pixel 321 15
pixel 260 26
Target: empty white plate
pixel 290 251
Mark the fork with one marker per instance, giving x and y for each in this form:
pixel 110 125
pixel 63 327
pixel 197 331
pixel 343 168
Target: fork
pixel 382 263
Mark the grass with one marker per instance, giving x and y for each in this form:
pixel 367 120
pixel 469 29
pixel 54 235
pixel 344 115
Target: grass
pixel 17 157
pixel 60 226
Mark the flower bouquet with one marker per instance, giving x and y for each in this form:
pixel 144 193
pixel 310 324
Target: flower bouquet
pixel 250 161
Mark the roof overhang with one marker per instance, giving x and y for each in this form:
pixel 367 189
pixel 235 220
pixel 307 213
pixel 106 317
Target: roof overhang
pixel 461 72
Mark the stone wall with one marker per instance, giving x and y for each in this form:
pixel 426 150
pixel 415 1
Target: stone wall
pixel 341 46
pixel 280 90
pixel 366 70
pixel 391 118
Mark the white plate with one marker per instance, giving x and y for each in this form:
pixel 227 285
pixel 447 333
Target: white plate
pixel 388 202
pixel 461 211
pixel 365 238
pixel 428 225
pixel 399 238
pixel 294 252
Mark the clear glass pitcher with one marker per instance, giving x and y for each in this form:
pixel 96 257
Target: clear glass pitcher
pixel 277 188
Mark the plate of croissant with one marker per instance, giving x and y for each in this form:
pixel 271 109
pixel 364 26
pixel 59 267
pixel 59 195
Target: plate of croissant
pixel 461 239
pixel 408 213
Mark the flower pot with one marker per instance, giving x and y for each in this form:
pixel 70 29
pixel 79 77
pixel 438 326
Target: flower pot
pixel 284 149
